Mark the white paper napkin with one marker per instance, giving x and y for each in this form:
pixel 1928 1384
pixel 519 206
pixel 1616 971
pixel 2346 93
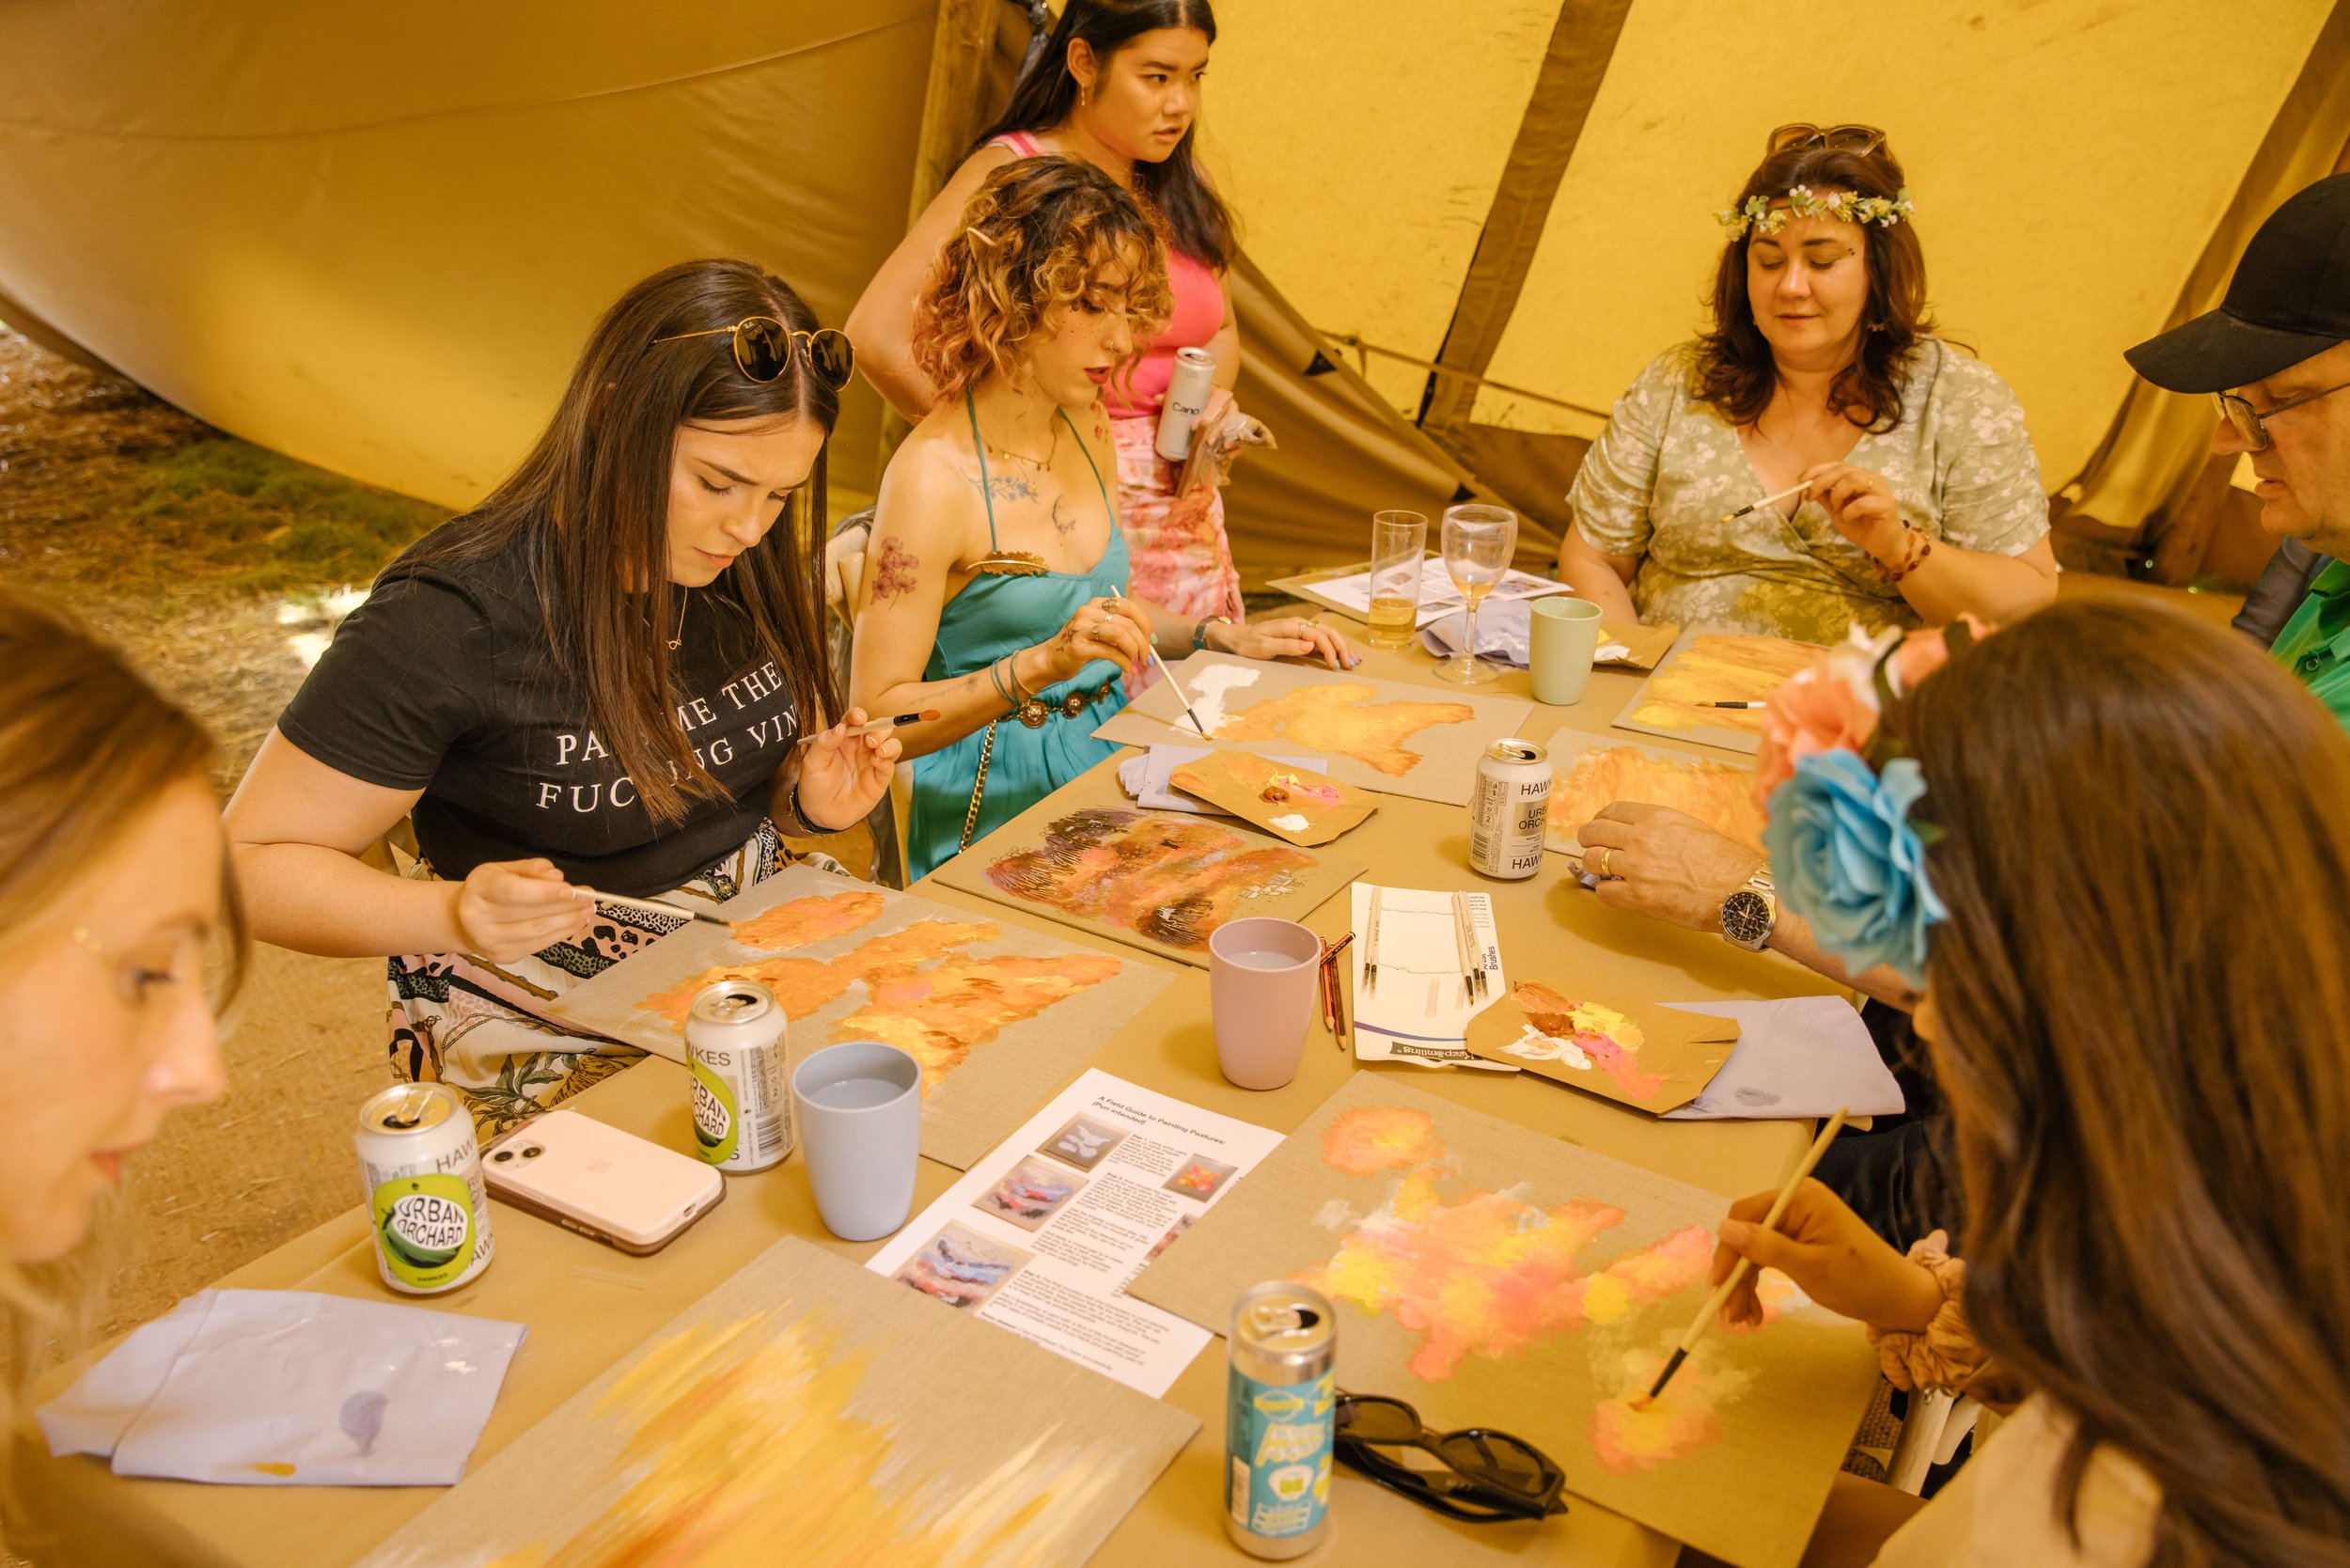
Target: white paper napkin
pixel 290 1388
pixel 1802 1056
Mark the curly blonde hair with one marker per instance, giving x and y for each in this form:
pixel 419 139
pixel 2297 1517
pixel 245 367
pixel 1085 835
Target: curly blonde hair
pixel 1035 242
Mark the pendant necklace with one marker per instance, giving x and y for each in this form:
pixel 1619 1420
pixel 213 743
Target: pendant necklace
pixel 683 609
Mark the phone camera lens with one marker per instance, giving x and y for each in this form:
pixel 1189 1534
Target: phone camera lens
pixel 532 1152
pixel 503 1156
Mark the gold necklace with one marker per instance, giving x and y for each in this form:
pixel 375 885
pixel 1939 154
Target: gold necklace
pixel 683 609
pixel 1042 465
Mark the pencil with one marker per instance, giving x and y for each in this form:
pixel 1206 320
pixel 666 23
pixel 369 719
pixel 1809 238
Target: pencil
pixel 1721 1293
pixel 657 906
pixel 1766 501
pixel 881 725
pixel 1173 684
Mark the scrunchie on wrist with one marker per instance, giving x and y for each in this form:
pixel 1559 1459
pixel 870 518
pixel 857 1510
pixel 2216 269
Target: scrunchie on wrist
pixel 1945 1355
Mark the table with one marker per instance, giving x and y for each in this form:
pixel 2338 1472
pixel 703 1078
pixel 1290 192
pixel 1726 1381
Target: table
pixel 587 1305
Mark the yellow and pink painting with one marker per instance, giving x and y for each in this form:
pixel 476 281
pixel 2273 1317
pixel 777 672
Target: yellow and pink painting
pixel 1716 666
pixel 1347 718
pixel 1719 795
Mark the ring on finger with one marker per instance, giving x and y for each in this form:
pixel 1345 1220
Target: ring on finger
pixel 1601 869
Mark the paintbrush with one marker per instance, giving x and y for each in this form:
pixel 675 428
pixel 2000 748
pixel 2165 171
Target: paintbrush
pixel 1745 1265
pixel 1766 501
pixel 1334 993
pixel 1732 705
pixel 881 725
pixel 1168 676
pixel 1371 947
pixel 1461 946
pixel 657 906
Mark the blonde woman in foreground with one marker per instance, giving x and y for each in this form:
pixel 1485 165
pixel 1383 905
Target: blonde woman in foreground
pixel 112 889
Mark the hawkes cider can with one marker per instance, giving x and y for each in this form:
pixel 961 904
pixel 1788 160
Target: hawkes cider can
pixel 420 1170
pixel 1187 392
pixel 1282 1422
pixel 742 1091
pixel 1506 811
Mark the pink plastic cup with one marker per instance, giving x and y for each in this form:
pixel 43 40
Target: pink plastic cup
pixel 1260 990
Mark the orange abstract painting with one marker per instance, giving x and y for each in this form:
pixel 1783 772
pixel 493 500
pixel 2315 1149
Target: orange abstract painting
pixel 1720 667
pixel 1170 879
pixel 1719 795
pixel 1347 718
pixel 800 922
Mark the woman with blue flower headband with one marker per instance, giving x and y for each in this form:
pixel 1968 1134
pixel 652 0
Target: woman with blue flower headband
pixel 2111 844
pixel 1923 498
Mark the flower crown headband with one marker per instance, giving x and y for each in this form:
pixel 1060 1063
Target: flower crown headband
pixel 1764 216
pixel 1844 855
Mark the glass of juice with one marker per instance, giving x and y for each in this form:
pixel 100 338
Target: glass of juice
pixel 1399 545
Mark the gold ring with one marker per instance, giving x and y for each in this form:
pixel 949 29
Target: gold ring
pixel 1605 849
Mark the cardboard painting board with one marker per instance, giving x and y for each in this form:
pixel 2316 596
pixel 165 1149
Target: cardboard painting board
pixel 1493 1277
pixel 1302 805
pixel 1418 740
pixel 1713 667
pixel 810 1412
pixel 1589 771
pixel 1161 881
pixel 1000 1016
pixel 1653 1059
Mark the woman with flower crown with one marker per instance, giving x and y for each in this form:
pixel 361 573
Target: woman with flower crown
pixel 2052 834
pixel 1924 498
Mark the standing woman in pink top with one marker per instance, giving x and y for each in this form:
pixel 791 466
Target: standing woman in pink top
pixel 1116 85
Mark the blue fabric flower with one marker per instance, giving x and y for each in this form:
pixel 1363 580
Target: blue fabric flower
pixel 1845 857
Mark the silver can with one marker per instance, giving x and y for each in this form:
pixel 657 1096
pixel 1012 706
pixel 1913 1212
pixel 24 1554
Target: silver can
pixel 1188 393
pixel 420 1177
pixel 734 1046
pixel 1282 1424
pixel 1506 813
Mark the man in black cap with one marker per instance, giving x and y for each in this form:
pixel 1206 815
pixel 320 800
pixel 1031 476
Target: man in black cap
pixel 2275 353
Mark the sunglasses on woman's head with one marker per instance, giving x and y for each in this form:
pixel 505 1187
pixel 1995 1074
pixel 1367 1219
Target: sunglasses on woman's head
pixel 1488 1476
pixel 763 348
pixel 1836 138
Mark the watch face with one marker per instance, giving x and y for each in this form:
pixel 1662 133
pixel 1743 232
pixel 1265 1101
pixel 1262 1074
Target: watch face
pixel 1747 916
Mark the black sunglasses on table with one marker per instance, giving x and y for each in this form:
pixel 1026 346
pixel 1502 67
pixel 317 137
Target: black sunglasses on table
pixel 1488 1476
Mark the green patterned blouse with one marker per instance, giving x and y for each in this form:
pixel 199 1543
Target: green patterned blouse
pixel 1659 481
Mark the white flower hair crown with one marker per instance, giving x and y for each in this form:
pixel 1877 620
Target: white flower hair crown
pixel 1764 216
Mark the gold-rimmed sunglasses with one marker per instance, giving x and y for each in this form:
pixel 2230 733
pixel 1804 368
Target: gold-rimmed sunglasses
pixel 1836 138
pixel 763 348
pixel 2247 421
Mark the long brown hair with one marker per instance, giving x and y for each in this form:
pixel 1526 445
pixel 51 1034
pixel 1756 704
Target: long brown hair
pixel 1735 370
pixel 2144 996
pixel 593 499
pixel 1047 91
pixel 1035 239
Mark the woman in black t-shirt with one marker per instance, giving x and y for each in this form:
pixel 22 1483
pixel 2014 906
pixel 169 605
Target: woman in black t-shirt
pixel 611 678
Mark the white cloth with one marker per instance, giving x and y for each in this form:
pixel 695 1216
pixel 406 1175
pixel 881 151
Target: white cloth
pixel 2000 1510
pixel 289 1389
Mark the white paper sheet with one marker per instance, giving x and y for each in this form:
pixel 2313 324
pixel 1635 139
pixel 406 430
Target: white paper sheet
pixel 1417 1011
pixel 290 1388
pixel 1803 1056
pixel 1437 595
pixel 1042 1235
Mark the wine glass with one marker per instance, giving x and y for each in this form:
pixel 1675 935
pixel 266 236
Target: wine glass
pixel 1479 542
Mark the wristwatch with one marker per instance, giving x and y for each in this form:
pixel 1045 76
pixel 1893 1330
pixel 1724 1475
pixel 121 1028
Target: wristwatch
pixel 1200 630
pixel 1748 914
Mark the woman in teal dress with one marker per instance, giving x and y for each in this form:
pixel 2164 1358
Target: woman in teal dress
pixel 997 592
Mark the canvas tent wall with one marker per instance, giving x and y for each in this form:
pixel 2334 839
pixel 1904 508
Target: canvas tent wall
pixel 374 239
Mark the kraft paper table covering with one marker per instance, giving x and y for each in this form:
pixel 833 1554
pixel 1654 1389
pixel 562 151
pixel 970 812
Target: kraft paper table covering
pixel 1429 1223
pixel 1438 760
pixel 969 1107
pixel 937 1401
pixel 587 1305
pixel 1643 645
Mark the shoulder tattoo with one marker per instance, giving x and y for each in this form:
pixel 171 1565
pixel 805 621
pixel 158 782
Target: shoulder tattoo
pixel 893 570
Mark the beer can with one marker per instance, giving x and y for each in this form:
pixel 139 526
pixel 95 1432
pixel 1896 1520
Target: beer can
pixel 742 1091
pixel 1506 813
pixel 1282 1421
pixel 1187 392
pixel 420 1177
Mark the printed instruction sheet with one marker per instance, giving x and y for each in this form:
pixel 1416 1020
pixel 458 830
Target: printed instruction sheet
pixel 1042 1235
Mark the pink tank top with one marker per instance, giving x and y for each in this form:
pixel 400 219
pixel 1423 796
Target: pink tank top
pixel 1196 318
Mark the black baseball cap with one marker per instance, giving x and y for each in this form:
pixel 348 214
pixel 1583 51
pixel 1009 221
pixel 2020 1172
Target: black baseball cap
pixel 2290 299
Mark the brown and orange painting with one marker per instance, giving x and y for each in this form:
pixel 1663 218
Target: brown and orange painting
pixel 1162 880
pixel 1347 718
pixel 1719 795
pixel 1716 666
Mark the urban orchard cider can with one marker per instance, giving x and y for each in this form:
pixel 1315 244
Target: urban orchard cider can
pixel 741 1093
pixel 420 1176
pixel 1282 1422
pixel 1506 813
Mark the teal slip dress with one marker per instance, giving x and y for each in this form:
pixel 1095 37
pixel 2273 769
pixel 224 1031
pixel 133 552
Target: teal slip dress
pixel 992 617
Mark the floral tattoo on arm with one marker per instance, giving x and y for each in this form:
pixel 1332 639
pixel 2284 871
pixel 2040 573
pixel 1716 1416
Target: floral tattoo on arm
pixel 894 570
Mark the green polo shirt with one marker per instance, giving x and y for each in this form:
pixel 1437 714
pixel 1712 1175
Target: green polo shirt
pixel 2315 643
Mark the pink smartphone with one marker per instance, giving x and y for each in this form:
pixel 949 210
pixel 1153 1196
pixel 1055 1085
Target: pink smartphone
pixel 608 1185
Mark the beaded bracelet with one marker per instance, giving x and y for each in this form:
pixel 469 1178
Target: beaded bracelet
pixel 1915 559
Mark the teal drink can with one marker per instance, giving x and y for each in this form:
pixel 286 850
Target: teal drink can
pixel 1281 1422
